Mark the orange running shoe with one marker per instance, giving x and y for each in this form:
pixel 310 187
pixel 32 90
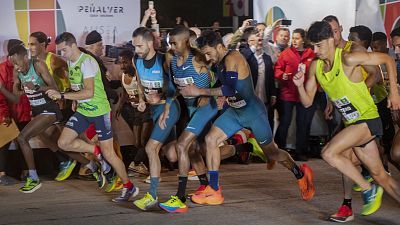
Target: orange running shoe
pixel 209 196
pixel 199 190
pixel 215 198
pixel 306 183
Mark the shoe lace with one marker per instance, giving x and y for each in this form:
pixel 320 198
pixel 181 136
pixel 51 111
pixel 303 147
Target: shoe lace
pixel 28 182
pixel 173 199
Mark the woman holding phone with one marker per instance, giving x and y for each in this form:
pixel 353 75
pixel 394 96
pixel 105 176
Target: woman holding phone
pixel 298 57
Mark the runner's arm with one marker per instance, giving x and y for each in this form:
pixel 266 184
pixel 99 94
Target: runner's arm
pixel 306 91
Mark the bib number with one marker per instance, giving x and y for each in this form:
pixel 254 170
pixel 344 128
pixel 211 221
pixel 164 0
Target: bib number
pixel 348 111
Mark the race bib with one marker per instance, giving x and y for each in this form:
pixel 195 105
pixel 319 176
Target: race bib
pixel 150 84
pixel 132 92
pixel 37 102
pixel 183 81
pixel 76 87
pixel 236 101
pixel 348 111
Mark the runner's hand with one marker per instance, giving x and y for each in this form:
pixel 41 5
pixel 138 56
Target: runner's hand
pixel 53 94
pixel 189 90
pixel 298 79
pixel 394 102
pixel 29 85
pixel 141 106
pixel 162 121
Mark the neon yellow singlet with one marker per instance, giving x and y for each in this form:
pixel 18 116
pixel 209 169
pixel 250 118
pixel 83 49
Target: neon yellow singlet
pixel 60 79
pixel 379 89
pixel 353 100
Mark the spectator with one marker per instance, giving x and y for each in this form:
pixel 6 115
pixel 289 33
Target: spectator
pixel 298 57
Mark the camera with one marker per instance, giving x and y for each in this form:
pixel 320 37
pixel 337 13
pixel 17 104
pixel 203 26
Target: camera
pixel 286 22
pixel 253 23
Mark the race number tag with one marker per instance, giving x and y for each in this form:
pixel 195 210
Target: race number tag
pixel 151 84
pixel 37 102
pixel 236 101
pixel 348 111
pixel 76 87
pixel 183 81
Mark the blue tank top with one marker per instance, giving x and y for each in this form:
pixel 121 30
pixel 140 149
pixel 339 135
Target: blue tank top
pixel 36 98
pixel 245 95
pixel 186 73
pixel 152 79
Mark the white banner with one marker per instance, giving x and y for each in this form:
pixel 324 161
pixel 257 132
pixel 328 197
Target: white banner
pixel 304 12
pixel 114 20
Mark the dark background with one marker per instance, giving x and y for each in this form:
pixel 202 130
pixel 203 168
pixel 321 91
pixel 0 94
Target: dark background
pixel 201 13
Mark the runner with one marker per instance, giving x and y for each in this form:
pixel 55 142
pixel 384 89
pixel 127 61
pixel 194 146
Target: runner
pixel 92 107
pixel 246 110
pixel 360 115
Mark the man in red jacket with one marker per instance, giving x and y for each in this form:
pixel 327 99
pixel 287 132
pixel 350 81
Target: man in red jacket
pixel 21 112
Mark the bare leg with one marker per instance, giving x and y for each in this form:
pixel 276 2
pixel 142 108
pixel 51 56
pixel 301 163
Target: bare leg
pixel 37 125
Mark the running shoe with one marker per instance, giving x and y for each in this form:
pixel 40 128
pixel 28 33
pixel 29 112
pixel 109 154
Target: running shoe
pixel 119 184
pixel 30 186
pixel 199 190
pixel 100 179
pixel 7 180
pixel 209 196
pixel 306 183
pixel 357 187
pixel 141 168
pixel 344 214
pixel 174 205
pixel 112 179
pixel 257 151
pixel 66 169
pixel 146 202
pixel 372 199
pixel 126 194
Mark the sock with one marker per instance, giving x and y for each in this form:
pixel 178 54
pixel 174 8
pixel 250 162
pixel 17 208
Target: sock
pixel 203 179
pixel 182 188
pixel 153 186
pixel 297 172
pixel 33 174
pixel 92 166
pixel 245 147
pixel 97 151
pixel 105 167
pixel 365 172
pixel 129 185
pixel 347 202
pixel 214 179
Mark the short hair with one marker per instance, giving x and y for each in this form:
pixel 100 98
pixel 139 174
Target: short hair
pixel 179 30
pixel 66 37
pixel 192 34
pixel 210 38
pixel 330 18
pixel 144 32
pixel 247 33
pixel 379 36
pixel 12 43
pixel 126 54
pixel 41 38
pixel 395 32
pixel 19 50
pixel 364 33
pixel 283 29
pixel 318 31
pixel 261 23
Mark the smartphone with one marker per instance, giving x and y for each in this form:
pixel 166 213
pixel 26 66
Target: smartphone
pixel 302 68
pixel 151 4
pixel 253 23
pixel 286 22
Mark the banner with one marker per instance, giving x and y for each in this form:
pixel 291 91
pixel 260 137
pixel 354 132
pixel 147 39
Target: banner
pixel 304 12
pixel 114 20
